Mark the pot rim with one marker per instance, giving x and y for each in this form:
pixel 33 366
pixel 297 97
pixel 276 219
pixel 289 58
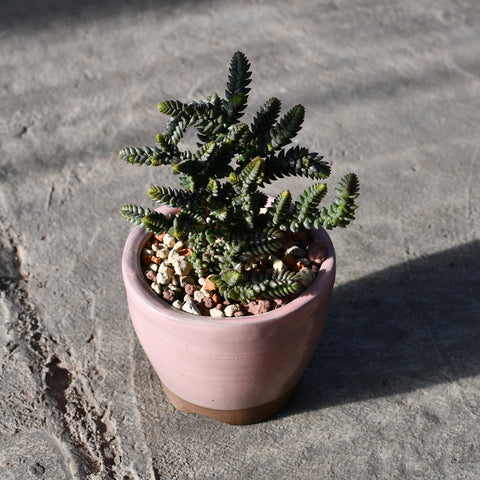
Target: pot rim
pixel 136 284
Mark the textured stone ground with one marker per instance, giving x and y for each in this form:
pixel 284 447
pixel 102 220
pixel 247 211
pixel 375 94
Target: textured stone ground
pixel 392 91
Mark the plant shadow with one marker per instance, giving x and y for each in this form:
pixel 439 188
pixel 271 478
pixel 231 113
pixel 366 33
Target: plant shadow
pixel 36 14
pixel 404 328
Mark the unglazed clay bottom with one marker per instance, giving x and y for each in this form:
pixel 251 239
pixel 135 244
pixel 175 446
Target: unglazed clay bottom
pixel 237 370
pixel 243 416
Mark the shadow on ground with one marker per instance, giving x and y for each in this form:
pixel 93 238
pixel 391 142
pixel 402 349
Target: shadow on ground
pixel 35 14
pixel 403 328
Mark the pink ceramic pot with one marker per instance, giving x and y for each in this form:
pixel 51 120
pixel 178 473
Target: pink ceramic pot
pixel 237 370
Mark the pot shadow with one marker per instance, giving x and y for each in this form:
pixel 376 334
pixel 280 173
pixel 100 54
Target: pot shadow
pixel 406 327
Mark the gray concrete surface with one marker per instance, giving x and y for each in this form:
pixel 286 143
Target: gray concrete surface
pixel 392 91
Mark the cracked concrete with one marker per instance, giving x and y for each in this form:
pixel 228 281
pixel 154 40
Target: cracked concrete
pixel 391 90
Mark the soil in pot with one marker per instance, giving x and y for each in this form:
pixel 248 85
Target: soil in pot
pixel 167 269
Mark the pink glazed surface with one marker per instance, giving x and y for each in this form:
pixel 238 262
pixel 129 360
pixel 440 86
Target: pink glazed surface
pixel 227 363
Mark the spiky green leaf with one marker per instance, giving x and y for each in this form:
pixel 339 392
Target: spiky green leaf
pixel 236 92
pixel 286 129
pixel 342 210
pixel 134 213
pixel 145 155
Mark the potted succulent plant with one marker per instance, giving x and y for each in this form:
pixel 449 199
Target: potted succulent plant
pixel 228 289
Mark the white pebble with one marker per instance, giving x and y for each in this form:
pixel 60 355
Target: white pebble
pixel 198 295
pixel 164 268
pixel 201 281
pixel 231 309
pixel 153 266
pixel 178 245
pixel 217 313
pixel 190 307
pixel 182 266
pixel 169 241
pixel 296 251
pixel 172 256
pixel 163 278
pixel 154 247
pixel 279 266
pixel 146 251
pixel 162 253
pixel 177 304
pixel 156 288
pixel 206 293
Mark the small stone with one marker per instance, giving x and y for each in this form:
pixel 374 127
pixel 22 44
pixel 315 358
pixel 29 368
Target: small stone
pixel 189 288
pixel 164 268
pixel 186 280
pixel 153 266
pixel 279 302
pixel 154 247
pixel 155 260
pixel 182 265
pixel 216 298
pixel 162 253
pixel 168 295
pixel 185 252
pixel 156 288
pixel 317 252
pixel 231 309
pixel 174 282
pixel 172 256
pixel 178 246
pixel 279 266
pixel 208 302
pixel 201 281
pixel 304 261
pixel 206 293
pixel 151 275
pixel 296 251
pixel 177 304
pixel 190 307
pixel 159 237
pixel 198 295
pixel 258 307
pixel 209 285
pixel 163 278
pixel 239 314
pixel 216 313
pixel 147 252
pixel 169 241
pixel 306 275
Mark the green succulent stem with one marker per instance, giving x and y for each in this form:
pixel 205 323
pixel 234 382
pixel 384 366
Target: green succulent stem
pixel 224 216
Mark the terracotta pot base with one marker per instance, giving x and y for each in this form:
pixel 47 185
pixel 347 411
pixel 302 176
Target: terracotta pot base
pixel 243 416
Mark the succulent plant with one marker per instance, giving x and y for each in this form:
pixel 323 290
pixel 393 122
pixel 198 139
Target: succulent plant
pixel 223 216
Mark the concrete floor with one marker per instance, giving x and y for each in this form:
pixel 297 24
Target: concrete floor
pixel 392 92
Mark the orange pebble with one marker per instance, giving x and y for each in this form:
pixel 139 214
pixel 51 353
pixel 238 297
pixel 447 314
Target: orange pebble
pixel 299 266
pixel 160 237
pixel 209 285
